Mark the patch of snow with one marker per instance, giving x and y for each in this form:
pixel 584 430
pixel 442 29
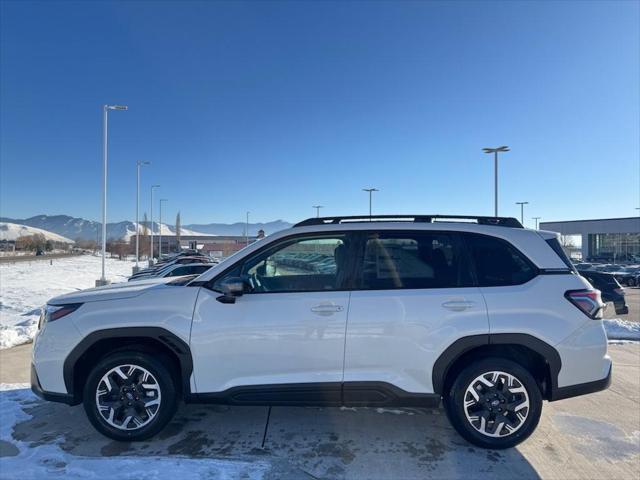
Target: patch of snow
pixel 26 286
pixel 11 231
pixel 618 329
pixel 51 462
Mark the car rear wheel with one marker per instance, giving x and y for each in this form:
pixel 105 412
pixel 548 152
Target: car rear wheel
pixel 129 396
pixel 494 403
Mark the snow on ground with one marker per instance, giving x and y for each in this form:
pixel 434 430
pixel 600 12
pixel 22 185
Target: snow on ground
pixel 26 286
pixel 11 231
pixel 618 329
pixel 25 462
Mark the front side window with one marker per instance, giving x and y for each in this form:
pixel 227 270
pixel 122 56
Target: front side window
pixel 497 262
pixel 412 260
pixel 298 265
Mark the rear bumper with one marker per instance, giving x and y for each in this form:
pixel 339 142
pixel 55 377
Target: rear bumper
pixel 569 391
pixel 49 396
pixel 621 307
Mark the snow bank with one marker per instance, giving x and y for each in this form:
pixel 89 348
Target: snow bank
pixel 26 286
pixel 618 329
pixel 51 462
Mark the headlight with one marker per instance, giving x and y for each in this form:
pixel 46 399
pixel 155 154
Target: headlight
pixel 54 312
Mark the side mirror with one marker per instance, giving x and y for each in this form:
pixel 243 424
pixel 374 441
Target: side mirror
pixel 232 287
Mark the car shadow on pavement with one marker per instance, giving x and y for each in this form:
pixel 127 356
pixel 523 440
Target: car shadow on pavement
pixel 331 443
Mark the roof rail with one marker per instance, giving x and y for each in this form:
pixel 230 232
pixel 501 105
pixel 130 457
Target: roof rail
pixel 480 220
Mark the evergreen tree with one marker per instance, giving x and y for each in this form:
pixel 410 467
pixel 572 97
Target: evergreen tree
pixel 178 234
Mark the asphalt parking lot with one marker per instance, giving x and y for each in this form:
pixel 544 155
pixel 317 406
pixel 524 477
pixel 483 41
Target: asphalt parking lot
pixel 595 436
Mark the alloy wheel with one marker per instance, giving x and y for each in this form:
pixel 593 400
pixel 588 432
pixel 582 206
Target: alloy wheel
pixel 128 397
pixel 496 404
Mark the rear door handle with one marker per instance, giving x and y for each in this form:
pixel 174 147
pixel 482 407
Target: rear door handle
pixel 326 309
pixel 458 305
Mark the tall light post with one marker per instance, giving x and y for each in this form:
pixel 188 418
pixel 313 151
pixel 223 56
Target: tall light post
pixel 246 230
pixel 318 207
pixel 151 249
pixel 370 190
pixel 105 119
pixel 160 232
pixel 522 204
pixel 495 152
pixel 138 165
pixel 536 219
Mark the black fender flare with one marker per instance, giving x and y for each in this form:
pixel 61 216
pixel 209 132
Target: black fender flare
pixel 465 344
pixel 170 340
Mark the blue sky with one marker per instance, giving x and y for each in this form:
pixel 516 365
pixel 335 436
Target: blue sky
pixel 274 107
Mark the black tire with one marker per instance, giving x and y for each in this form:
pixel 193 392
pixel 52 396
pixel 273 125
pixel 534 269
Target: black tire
pixel 454 399
pixel 164 380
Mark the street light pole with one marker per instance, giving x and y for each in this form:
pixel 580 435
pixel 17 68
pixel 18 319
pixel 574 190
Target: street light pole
pixel 138 165
pixel 151 249
pixel 160 233
pixel 370 190
pixel 495 151
pixel 522 204
pixel 536 219
pixel 317 207
pixel 246 231
pixel 105 119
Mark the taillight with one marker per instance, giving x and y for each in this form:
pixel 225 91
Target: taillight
pixel 588 301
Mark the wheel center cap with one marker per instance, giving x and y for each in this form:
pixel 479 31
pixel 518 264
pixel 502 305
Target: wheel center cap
pixel 129 396
pixel 495 403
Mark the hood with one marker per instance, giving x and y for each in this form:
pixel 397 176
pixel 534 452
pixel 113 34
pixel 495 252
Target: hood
pixel 110 292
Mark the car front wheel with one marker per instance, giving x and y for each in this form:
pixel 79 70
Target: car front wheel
pixel 494 403
pixel 129 396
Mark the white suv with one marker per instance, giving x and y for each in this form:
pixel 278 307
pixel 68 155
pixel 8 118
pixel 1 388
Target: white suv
pixel 478 312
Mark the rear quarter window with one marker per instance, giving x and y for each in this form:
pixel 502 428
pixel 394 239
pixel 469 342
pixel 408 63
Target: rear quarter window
pixel 497 262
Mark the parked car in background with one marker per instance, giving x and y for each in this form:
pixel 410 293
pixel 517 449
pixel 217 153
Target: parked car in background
pixel 175 270
pixel 609 287
pixel 176 261
pixel 608 268
pixel 583 266
pixel 628 275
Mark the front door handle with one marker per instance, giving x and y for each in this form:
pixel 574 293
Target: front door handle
pixel 326 309
pixel 458 305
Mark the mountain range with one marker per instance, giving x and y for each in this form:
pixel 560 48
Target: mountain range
pixel 81 229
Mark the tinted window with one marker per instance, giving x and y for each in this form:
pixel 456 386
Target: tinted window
pixel 298 265
pixel 412 260
pixel 179 271
pixel 498 263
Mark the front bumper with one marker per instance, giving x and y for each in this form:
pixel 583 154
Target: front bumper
pixel 582 388
pixel 49 396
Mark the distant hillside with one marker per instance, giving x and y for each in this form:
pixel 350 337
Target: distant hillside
pixel 11 231
pixel 78 228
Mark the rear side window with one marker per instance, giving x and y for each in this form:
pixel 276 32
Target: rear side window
pixel 497 262
pixel 555 245
pixel 412 260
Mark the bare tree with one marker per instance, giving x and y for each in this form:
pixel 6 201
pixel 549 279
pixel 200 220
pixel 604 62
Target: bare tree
pixel 144 236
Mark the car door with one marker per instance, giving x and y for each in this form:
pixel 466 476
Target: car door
pixel 414 296
pixel 288 329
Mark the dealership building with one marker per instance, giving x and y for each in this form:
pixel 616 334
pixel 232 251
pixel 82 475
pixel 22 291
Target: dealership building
pixel 611 239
